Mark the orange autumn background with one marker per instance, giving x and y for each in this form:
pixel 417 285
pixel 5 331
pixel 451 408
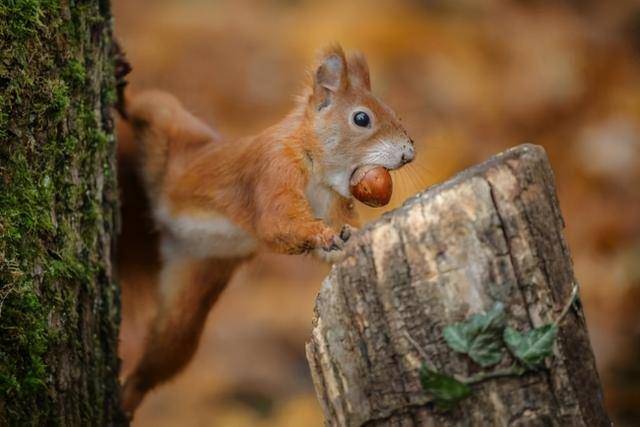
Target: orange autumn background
pixel 469 79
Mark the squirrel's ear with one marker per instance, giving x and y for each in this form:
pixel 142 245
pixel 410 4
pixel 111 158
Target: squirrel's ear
pixel 331 72
pixel 331 75
pixel 359 70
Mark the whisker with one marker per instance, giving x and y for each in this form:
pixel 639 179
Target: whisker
pixel 421 170
pixel 422 175
pixel 402 177
pixel 417 180
pixel 412 178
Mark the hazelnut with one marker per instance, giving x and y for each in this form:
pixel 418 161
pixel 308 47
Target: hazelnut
pixel 371 185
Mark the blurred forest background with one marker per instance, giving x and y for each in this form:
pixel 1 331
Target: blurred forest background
pixel 469 78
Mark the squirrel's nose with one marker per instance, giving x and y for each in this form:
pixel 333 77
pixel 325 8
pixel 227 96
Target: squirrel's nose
pixel 408 153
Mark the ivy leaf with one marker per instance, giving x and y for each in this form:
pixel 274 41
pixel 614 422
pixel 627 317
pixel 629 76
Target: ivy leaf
pixel 486 349
pixel 458 337
pixel 480 336
pixel 446 390
pixel 533 346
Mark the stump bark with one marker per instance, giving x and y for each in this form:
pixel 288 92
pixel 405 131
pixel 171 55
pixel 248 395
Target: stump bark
pixel 491 234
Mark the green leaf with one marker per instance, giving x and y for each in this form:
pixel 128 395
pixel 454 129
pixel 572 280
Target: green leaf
pixel 486 349
pixel 446 390
pixel 480 336
pixel 533 346
pixel 458 337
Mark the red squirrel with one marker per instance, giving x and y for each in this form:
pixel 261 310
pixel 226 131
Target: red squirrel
pixel 217 202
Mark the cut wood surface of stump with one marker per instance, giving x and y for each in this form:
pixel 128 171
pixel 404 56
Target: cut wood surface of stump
pixel 491 234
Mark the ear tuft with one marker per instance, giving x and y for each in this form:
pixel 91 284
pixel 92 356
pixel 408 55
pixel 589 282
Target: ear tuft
pixel 359 70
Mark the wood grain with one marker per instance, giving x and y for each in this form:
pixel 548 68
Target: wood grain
pixel 492 233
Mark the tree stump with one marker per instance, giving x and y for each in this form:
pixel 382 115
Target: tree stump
pixel 491 234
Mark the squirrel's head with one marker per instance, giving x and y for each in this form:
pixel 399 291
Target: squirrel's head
pixel 354 127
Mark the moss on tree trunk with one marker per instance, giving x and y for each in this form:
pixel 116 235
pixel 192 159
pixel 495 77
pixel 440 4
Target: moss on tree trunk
pixel 59 304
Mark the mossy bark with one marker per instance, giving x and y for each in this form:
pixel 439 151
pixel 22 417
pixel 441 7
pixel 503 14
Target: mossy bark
pixel 59 304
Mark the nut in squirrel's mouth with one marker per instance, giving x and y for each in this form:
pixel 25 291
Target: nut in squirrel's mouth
pixel 359 171
pixel 372 185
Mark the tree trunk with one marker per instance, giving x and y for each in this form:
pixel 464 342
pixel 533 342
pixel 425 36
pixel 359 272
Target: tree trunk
pixel 59 304
pixel 491 234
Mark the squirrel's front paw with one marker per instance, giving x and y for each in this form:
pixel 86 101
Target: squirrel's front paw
pixel 332 241
pixel 333 251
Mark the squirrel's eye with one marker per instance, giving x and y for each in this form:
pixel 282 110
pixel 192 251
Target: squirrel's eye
pixel 361 119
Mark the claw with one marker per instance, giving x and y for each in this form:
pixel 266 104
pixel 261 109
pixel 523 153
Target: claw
pixel 334 247
pixel 345 233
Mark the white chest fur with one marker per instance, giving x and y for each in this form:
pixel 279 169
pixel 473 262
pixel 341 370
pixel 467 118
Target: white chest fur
pixel 200 236
pixel 320 198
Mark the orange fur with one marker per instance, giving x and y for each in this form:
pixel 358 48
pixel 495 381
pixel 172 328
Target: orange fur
pixel 218 201
pixel 178 325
